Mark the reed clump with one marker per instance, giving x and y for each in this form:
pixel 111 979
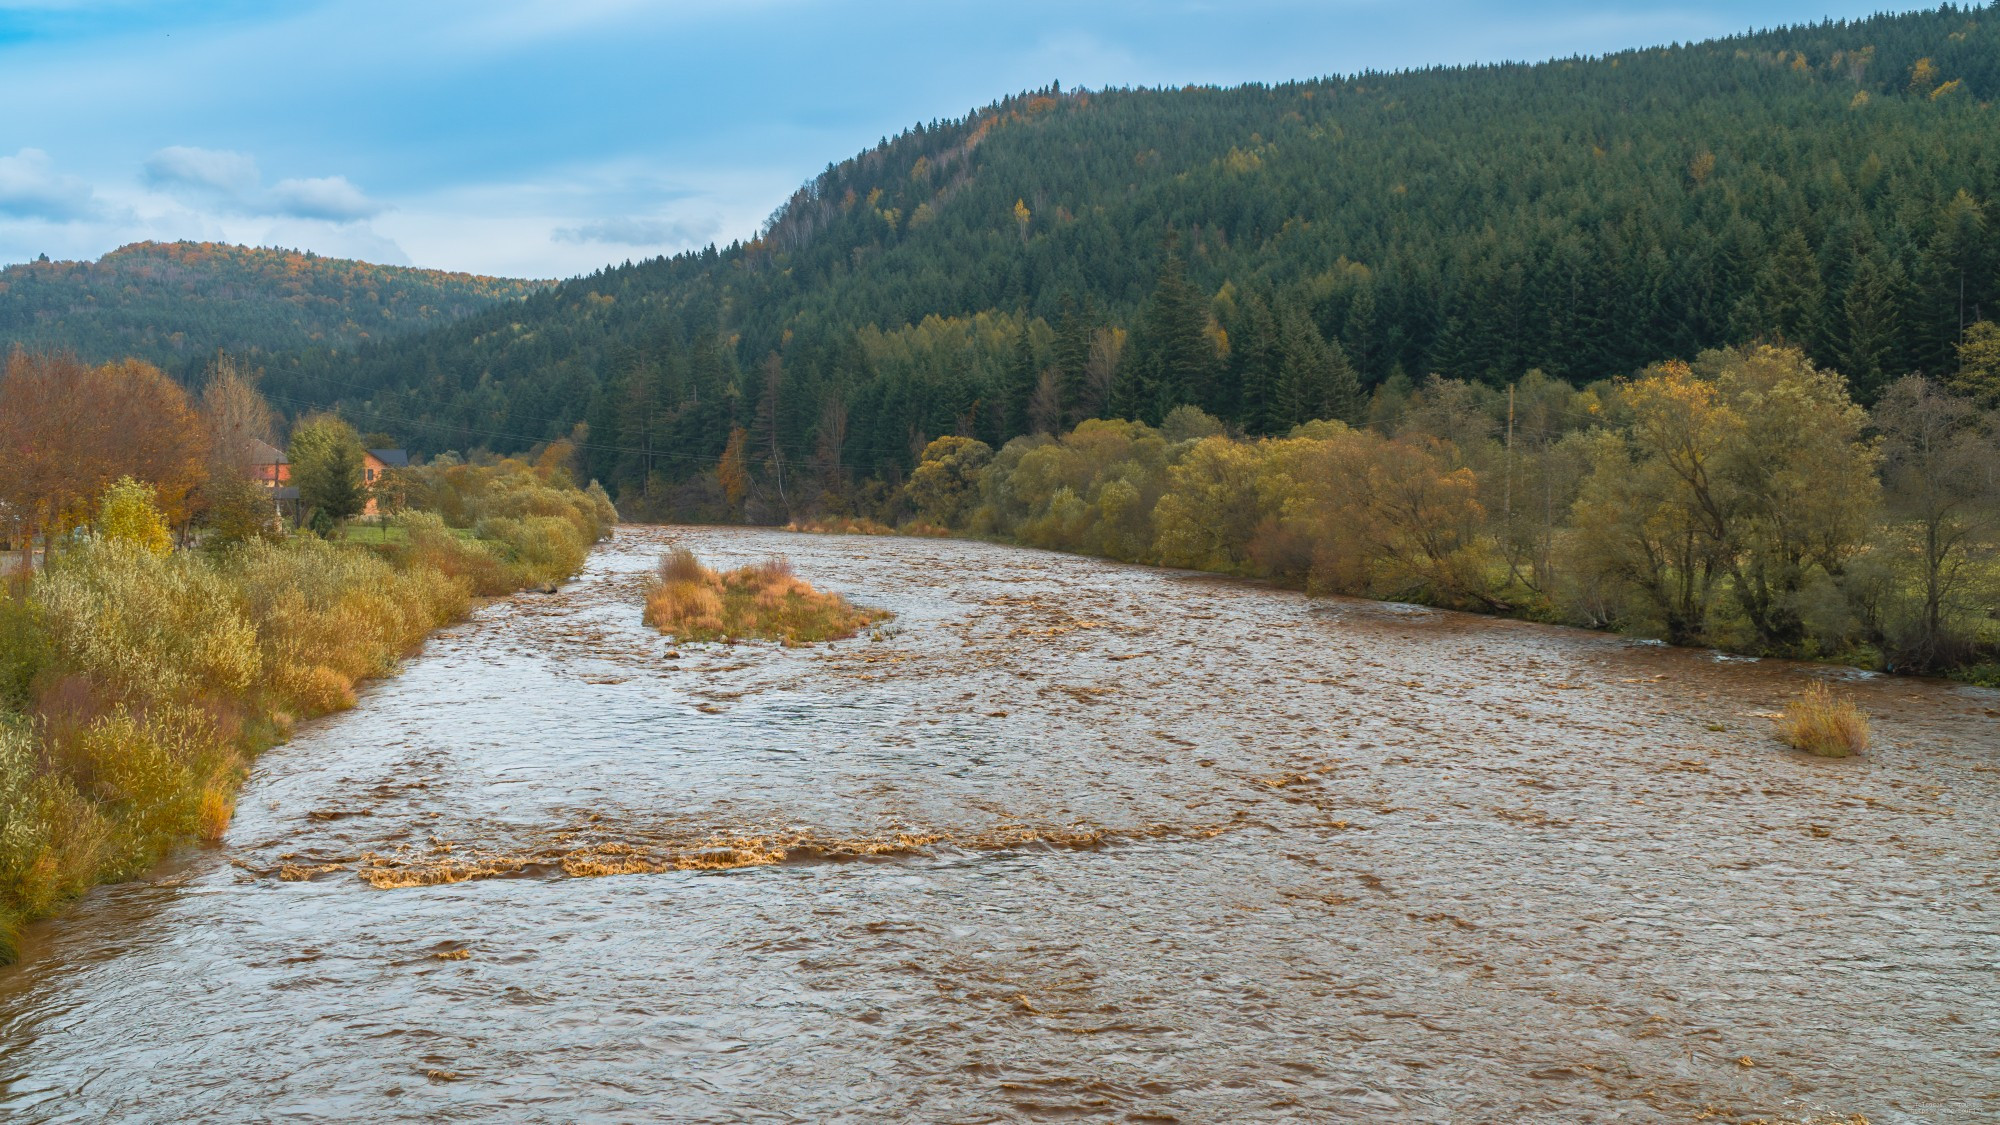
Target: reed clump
pixel 1820 722
pixel 763 601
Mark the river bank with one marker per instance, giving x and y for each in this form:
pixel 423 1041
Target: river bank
pixel 137 681
pixel 1075 838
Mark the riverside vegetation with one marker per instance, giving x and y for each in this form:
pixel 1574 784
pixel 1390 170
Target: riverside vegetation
pixel 763 601
pixel 1743 501
pixel 137 680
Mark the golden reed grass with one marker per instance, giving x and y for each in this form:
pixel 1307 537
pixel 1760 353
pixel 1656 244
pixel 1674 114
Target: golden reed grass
pixel 763 601
pixel 1819 722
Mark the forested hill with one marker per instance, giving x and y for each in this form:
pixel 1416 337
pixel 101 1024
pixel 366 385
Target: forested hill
pixel 176 303
pixel 1259 250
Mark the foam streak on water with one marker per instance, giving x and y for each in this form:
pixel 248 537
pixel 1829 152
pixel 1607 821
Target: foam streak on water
pixel 1076 841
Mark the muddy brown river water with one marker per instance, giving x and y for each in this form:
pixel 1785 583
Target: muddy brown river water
pixel 1069 841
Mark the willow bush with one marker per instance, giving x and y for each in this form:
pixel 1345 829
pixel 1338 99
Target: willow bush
pixel 136 683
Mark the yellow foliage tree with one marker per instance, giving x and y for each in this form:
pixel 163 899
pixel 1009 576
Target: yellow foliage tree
pixel 732 472
pixel 127 514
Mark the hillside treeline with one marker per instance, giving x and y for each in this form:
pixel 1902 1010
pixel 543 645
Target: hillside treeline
pixel 1743 501
pixel 1270 253
pixel 176 304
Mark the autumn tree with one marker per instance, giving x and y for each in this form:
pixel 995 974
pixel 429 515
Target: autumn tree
pixel 234 414
pixel 68 430
pixel 1941 471
pixel 127 514
pixel 1978 376
pixel 1799 481
pixel 1651 521
pixel 236 507
pixel 1212 506
pixel 945 484
pixel 1751 470
pixel 732 472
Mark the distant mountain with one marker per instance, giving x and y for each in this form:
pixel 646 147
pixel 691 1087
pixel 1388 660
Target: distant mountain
pixel 176 303
pixel 1068 253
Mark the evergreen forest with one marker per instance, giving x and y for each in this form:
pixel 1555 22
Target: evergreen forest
pixel 1271 254
pixel 176 304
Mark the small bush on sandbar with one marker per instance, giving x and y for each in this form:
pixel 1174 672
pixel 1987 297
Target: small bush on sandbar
pixel 1821 723
pixel 765 601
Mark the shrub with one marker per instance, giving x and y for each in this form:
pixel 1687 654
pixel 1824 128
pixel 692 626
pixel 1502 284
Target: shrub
pixel 1821 723
pixel 680 565
pixel 49 835
pixel 765 601
pixel 432 546
pixel 328 616
pixel 543 548
pixel 150 674
pixel 146 628
pixel 24 645
pixel 128 513
pixel 150 774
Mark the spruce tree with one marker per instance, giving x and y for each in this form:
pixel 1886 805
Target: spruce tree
pixel 1022 376
pixel 1874 310
pixel 1790 297
pixel 1172 361
pixel 1074 329
pixel 1253 360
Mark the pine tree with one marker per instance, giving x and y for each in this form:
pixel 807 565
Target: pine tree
pixel 1951 274
pixel 1360 334
pixel 1253 361
pixel 1790 297
pixel 1314 378
pixel 326 454
pixel 1172 360
pixel 1022 376
pixel 1074 329
pixel 1874 310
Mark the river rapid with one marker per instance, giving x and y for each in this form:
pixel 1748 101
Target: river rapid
pixel 1067 840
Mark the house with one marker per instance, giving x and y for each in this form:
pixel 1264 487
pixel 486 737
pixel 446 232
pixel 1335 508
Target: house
pixel 271 468
pixel 269 465
pixel 375 463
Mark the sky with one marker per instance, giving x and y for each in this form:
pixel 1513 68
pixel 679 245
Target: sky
pixel 548 138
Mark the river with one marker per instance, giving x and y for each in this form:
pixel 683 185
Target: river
pixel 1067 840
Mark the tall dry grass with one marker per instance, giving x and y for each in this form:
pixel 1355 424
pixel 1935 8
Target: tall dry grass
pixel 763 601
pixel 1820 722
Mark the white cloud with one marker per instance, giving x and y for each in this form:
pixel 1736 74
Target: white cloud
pixel 231 181
pixel 233 173
pixel 323 197
pixel 637 231
pixel 31 188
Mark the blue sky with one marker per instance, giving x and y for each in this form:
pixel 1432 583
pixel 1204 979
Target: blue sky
pixel 548 138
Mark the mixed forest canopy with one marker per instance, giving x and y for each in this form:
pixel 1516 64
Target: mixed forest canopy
pixel 176 304
pixel 1271 254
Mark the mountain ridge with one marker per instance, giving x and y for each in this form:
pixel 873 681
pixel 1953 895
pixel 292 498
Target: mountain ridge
pixel 176 303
